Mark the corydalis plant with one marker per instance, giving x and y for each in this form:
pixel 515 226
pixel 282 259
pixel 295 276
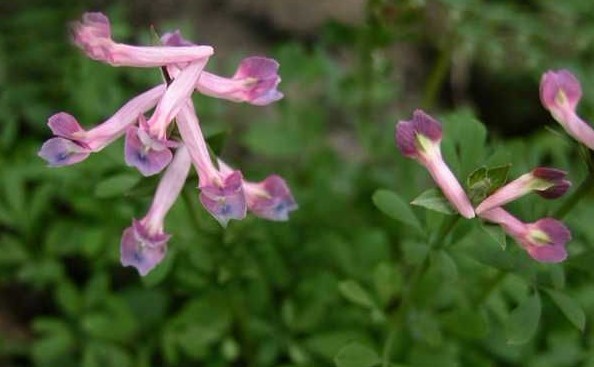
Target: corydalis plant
pixel 150 148
pixel 544 240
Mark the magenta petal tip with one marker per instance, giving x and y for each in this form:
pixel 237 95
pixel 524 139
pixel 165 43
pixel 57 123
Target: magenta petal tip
pixel 556 177
pixel 407 132
pixel 546 240
pixel 554 84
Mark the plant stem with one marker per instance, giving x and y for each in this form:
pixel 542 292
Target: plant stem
pixel 584 189
pixel 438 241
pixel 437 77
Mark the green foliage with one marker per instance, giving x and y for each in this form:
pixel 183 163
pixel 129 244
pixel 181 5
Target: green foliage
pixel 359 276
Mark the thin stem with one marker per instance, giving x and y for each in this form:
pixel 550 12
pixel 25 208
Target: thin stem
pixel 189 201
pixel 446 227
pixel 584 189
pixel 437 77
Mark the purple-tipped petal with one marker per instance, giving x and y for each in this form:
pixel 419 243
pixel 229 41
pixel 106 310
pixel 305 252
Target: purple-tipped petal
pixel 270 199
pixel 62 152
pixel 226 202
pixel 549 174
pixel 408 133
pixel 64 125
pixel 556 191
pixel 560 89
pixel 93 35
pixel 546 239
pixel 141 250
pixel 147 155
pixel 261 79
pixel 175 39
pixel 555 178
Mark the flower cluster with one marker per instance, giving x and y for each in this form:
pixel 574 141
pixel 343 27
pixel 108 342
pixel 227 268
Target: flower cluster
pixel 544 240
pixel 150 148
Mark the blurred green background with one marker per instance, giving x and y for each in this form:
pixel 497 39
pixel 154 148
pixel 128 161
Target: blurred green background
pixel 328 287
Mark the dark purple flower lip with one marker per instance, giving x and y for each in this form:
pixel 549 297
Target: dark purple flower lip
pixel 407 132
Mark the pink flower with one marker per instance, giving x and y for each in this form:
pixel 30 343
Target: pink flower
pixel 420 139
pixel 73 144
pixel 549 183
pixel 269 199
pixel 147 147
pixel 560 92
pixel 221 193
pixel 544 240
pixel 93 36
pixel 144 244
pixel 255 80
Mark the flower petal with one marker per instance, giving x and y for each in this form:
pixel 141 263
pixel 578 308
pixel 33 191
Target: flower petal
pixel 149 157
pixel 62 152
pixel 140 250
pixel 225 202
pixel 65 125
pixel 270 199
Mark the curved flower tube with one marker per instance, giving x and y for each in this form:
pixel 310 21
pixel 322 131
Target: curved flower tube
pixel 420 139
pixel 144 244
pixel 544 240
pixel 560 92
pixel 93 36
pixel 549 183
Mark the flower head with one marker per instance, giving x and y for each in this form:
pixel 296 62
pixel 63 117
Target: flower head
pixel 141 250
pixel 560 92
pixel 73 144
pixel 270 199
pixel 144 244
pixel 222 193
pixel 225 200
pixel 255 80
pixel 93 36
pixel 544 240
pixel 149 155
pixel 550 183
pixel 420 139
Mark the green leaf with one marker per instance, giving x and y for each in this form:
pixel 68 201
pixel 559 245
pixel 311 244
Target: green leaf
pixel 116 185
pixel 353 291
pixel 468 136
pixel 522 323
pixel 445 265
pixel 482 181
pixel 570 308
pixel 356 355
pixel 433 199
pixel 495 233
pixel 392 205
pixel 388 281
pixel 466 323
pixel 498 176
